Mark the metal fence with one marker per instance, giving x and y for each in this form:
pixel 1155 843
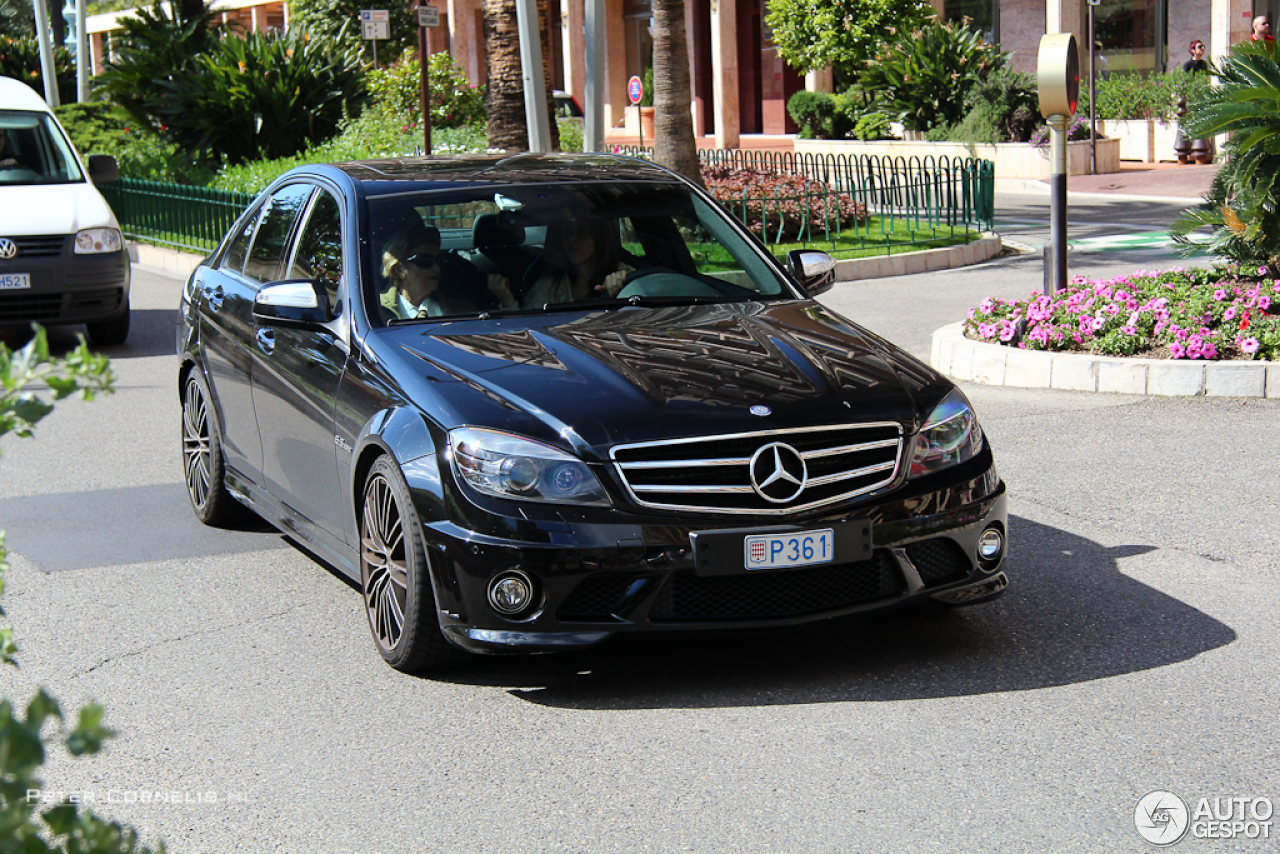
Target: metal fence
pixel 902 202
pixel 174 215
pixel 898 202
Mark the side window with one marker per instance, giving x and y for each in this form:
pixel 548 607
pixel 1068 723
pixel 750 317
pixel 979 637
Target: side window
pixel 239 249
pixel 319 249
pixel 271 241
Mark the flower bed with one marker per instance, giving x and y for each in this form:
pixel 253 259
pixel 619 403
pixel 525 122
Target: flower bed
pixel 781 207
pixel 1227 312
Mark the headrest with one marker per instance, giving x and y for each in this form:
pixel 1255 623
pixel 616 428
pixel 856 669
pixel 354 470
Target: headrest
pixel 495 229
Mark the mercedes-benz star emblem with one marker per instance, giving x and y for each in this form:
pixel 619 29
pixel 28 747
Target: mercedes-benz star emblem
pixel 8 249
pixel 761 410
pixel 778 473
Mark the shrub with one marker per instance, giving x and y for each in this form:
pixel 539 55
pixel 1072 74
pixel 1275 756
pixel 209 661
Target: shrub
pixel 922 77
pixel 1134 96
pixel 1004 107
pixel 813 112
pixel 1242 206
pixel 778 207
pixel 337 23
pixel 1224 313
pixel 454 101
pixel 264 95
pixel 20 60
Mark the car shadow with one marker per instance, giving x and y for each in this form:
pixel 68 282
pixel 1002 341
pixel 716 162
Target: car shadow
pixel 1069 616
pixel 151 333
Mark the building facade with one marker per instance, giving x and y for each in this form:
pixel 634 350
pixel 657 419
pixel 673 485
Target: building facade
pixel 741 85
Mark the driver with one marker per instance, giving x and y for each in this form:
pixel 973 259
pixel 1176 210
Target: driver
pixel 581 260
pixel 6 156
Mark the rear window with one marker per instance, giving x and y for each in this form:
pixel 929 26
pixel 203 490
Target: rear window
pixel 34 151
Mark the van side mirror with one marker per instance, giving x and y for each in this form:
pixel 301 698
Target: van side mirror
pixel 103 168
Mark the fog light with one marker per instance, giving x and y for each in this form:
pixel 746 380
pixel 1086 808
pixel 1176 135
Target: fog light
pixel 990 545
pixel 510 593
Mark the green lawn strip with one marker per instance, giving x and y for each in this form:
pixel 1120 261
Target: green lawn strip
pixel 870 241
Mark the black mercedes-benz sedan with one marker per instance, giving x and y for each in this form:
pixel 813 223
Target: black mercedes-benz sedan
pixel 527 403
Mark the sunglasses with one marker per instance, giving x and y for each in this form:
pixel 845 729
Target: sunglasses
pixel 423 260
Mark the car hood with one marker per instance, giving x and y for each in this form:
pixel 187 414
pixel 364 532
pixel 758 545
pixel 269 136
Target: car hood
pixel 39 209
pixel 639 374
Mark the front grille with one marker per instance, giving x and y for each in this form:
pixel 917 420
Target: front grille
pixel 596 598
pixel 687 597
pixel 39 247
pixel 938 561
pixel 59 308
pixel 712 474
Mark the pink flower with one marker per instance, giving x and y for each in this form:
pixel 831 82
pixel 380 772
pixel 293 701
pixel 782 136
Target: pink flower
pixel 986 330
pixel 1129 330
pixel 1006 331
pixel 1208 351
pixel 1264 302
pixel 1249 346
pixel 1230 313
pixel 1176 350
pixel 1219 294
pixel 986 306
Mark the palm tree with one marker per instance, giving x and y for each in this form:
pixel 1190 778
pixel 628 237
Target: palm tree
pixel 1241 206
pixel 673 144
pixel 508 127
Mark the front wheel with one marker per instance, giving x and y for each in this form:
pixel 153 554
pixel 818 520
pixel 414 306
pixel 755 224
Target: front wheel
pixel 394 576
pixel 109 333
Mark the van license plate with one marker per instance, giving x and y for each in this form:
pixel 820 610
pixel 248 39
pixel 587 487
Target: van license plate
pixel 15 281
pixel 803 548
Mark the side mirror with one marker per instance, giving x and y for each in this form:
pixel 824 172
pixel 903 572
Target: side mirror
pixel 103 168
pixel 300 302
pixel 814 270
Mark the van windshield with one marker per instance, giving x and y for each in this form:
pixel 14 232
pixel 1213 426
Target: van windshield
pixel 34 151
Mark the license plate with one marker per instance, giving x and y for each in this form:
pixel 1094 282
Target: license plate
pixel 14 281
pixel 803 548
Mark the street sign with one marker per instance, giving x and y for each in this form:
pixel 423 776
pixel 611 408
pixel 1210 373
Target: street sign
pixel 375 15
pixel 375 30
pixel 635 89
pixel 428 16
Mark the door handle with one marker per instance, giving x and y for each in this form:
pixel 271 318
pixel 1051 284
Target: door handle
pixel 267 341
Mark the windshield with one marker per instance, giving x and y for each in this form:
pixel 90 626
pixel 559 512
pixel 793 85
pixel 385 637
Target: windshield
pixel 542 248
pixel 34 151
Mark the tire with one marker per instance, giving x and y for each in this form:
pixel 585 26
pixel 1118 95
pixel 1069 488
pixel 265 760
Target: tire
pixel 394 577
pixel 203 467
pixel 109 333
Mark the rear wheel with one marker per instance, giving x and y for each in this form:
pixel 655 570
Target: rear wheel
pixel 394 576
pixel 202 463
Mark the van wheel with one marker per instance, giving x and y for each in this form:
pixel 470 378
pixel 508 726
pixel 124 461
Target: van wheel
pixel 109 333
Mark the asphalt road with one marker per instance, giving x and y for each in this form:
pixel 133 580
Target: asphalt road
pixel 1135 650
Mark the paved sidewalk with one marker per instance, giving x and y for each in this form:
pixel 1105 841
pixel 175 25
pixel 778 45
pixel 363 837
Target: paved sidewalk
pixel 1150 180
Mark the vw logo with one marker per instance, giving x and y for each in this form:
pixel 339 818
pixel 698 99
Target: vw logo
pixel 778 473
pixel 8 249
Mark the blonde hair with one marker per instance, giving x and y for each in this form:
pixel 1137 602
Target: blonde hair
pixel 398 247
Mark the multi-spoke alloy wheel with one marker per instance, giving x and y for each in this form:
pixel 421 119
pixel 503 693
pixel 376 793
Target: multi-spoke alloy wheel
pixel 394 575
pixel 202 457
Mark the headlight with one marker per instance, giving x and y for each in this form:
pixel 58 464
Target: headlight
pixel 950 436
pixel 93 241
pixel 512 467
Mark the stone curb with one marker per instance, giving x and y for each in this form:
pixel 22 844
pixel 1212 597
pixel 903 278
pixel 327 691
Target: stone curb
pixel 849 269
pixel 923 261
pixel 994 364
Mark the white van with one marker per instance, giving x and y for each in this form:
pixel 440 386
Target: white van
pixel 62 257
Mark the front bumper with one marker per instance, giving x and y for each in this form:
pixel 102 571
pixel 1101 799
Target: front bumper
pixel 66 288
pixel 593 581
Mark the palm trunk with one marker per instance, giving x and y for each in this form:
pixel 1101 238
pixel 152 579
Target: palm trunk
pixel 673 144
pixel 508 126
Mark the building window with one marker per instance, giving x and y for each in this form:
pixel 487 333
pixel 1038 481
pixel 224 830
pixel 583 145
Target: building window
pixel 1131 35
pixel 983 15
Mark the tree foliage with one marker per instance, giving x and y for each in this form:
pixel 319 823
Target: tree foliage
pixel 26 377
pixel 20 59
pixel 843 34
pixel 1243 204
pixel 922 77
pixel 338 22
pixel 397 90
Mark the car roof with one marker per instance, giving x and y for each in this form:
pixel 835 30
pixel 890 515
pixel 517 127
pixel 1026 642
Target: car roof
pixel 393 176
pixel 16 95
